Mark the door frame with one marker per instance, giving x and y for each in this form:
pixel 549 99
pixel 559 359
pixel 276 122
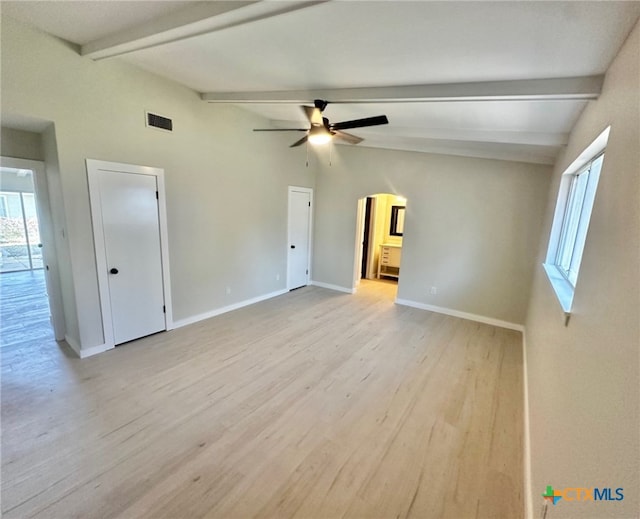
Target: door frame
pixel 357 264
pixel 372 267
pixel 47 236
pixel 94 167
pixel 366 237
pixel 361 224
pixel 308 190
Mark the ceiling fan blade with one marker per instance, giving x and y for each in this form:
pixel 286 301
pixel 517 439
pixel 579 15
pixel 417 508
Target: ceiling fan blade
pixel 361 123
pixel 351 139
pixel 280 129
pixel 301 141
pixel 313 114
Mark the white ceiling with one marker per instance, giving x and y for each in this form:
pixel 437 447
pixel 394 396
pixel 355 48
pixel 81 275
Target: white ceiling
pixel 82 22
pixel 270 56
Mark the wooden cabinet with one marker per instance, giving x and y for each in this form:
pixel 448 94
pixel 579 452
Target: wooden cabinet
pixel 389 262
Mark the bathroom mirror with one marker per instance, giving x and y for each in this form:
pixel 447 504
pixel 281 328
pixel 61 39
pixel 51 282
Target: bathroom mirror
pixel 397 220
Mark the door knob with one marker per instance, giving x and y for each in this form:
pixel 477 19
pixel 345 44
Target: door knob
pixel 293 246
pixel 113 271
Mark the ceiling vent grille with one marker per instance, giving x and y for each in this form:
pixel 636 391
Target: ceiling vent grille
pixel 160 122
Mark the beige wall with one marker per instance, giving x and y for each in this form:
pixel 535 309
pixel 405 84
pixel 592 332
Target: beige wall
pixel 20 144
pixel 583 379
pixel 226 186
pixel 471 226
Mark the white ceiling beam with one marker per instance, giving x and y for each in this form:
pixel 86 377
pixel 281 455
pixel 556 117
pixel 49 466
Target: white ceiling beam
pixel 516 153
pixel 497 136
pixel 195 20
pixel 452 134
pixel 161 29
pixel 576 88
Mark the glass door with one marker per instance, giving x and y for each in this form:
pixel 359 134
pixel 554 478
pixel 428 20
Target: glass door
pixel 20 247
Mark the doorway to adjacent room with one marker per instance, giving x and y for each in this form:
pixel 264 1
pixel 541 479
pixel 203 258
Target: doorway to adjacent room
pixel 379 238
pixel 25 239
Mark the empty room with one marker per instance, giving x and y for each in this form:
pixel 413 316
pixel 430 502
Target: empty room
pixel 320 259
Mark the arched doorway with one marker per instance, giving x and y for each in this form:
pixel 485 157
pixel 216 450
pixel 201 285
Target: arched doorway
pixel 379 239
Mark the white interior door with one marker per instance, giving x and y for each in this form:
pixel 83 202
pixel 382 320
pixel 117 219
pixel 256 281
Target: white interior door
pixel 131 234
pixel 299 237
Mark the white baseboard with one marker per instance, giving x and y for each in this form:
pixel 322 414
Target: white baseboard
pixel 333 287
pixel 528 496
pixel 83 353
pixel 462 315
pixel 88 352
pixel 218 311
pixel 94 350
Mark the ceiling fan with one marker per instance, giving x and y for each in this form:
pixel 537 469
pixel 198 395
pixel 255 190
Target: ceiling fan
pixel 322 131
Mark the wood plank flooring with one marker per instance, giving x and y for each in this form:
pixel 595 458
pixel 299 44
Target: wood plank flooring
pixel 24 309
pixel 314 404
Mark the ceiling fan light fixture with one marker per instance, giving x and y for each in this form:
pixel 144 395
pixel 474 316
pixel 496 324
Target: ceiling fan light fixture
pixel 322 131
pixel 319 135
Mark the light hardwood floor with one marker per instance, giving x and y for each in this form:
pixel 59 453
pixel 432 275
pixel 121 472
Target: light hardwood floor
pixel 314 404
pixel 24 309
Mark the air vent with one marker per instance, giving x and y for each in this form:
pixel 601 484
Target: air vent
pixel 160 122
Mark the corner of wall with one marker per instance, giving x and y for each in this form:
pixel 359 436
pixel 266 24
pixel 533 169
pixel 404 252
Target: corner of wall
pixel 57 206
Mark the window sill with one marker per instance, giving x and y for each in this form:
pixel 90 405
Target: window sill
pixel 563 289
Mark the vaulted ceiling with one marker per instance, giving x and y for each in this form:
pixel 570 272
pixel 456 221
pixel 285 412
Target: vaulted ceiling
pixel 500 80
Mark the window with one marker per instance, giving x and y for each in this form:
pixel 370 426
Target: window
pixel 571 221
pixel 573 235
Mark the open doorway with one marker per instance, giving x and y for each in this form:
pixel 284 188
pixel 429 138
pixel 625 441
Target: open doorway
pixel 379 244
pixel 26 252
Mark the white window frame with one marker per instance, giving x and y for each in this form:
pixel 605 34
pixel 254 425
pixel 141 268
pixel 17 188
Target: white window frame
pixel 5 206
pixel 574 205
